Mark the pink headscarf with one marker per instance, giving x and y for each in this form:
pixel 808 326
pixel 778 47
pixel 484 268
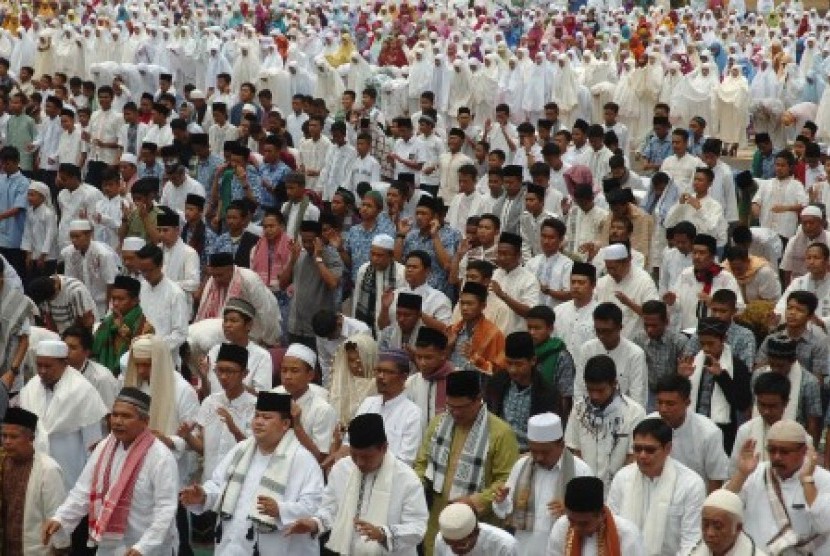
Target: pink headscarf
pixel 578 174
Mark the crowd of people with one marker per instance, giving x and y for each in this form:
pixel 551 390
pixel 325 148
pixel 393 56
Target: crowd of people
pixel 394 278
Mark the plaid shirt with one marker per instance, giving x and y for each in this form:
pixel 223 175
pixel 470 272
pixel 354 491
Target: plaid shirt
pixel 517 412
pixel 450 239
pixel 810 351
pixel 662 354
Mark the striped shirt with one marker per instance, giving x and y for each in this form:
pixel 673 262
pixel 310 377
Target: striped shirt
pixel 71 302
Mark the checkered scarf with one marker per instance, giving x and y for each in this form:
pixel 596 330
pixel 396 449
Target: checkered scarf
pixel 469 471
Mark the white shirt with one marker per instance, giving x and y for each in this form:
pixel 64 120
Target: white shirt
pixel 432 147
pixel 313 155
pixel 337 169
pixel 708 219
pixel 521 285
pixel 76 205
pixel 96 268
pixel 698 444
pixel 402 422
pixel 603 438
pixel 40 234
pixel 70 147
pixel 181 264
pixel 674 262
pixel 491 541
pixel 630 360
pixel 218 135
pixel 411 151
pixel 218 440
pixel 545 483
pixel 637 285
pixel 553 272
pixel 160 135
pixel 723 191
pixel 583 227
pixel 776 192
pixel 406 517
pixel 151 521
pixel 48 139
pixel 819 287
pixel 498 139
pixel 109 210
pixel 105 126
pixel 102 379
pixel 682 170
pixel 124 137
pixel 598 163
pixel 363 169
pixel 174 196
pixel 260 368
pixel 462 206
pixel 686 288
pixel 318 417
pixel 434 303
pixel 530 227
pixel 294 126
pixel 759 522
pixel 165 307
pixel 423 393
pixel 448 164
pixel 301 497
pixel 631 541
pixel 574 325
pixel 682 531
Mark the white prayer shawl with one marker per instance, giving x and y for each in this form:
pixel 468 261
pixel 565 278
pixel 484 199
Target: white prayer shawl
pixel 795 376
pixel 731 109
pixel 744 546
pixel 721 411
pixel 75 404
pixel 343 536
pixel 651 520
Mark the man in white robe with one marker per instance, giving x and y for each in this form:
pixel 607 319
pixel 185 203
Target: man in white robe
pixel 660 495
pixel 722 527
pixel 590 526
pixel 786 502
pixel 181 261
pixel 585 221
pixel 513 283
pixel 92 262
pixel 141 487
pixel 462 533
pixel 700 208
pixel 262 486
pixel 625 285
pixel 680 165
pixel 778 202
pixel 30 480
pixel 373 503
pixel 69 410
pixel 538 478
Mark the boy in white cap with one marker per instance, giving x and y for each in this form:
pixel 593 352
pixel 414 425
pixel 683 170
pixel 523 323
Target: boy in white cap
pixel 92 262
pixel 786 502
pixel 532 498
pixel 810 231
pixel 129 261
pixel 314 418
pixel 39 243
pixel 722 527
pixel 625 285
pixel 69 409
pixel 462 533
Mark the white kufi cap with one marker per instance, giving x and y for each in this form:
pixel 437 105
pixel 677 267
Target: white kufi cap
pixel 811 210
pixel 133 243
pixel 787 430
pixel 727 500
pixel 384 241
pixel 544 427
pixel 80 226
pixel 614 252
pixel 52 348
pixel 457 521
pixel 303 353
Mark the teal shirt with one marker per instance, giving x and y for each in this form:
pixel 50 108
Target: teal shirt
pixel 20 133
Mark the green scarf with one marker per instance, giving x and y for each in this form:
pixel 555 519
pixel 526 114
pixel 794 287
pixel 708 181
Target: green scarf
pixel 112 341
pixel 547 358
pixel 225 191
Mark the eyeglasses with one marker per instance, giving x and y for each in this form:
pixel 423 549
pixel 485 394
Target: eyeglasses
pixel 647 448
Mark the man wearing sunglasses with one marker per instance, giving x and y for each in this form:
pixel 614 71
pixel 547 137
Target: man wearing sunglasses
pixel 786 502
pixel 660 495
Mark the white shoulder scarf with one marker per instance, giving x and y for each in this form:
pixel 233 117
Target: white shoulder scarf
pixel 380 495
pixel 75 405
pixel 743 547
pixel 653 522
pixel 720 411
pixel 795 376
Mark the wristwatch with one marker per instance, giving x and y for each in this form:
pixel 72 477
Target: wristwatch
pixel 318 259
pixel 808 480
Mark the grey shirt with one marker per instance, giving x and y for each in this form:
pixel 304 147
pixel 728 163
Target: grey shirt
pixel 310 292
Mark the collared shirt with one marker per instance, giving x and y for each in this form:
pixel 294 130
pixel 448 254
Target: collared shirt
pixel 358 241
pixel 575 326
pixel 13 191
pixel 174 196
pixel 40 235
pixel 434 302
pixel 318 417
pixel 795 253
pixel 105 126
pixel 449 237
pixel 521 285
pixel 630 361
pixel 260 368
pixel 661 354
pixel 674 262
pixel 681 170
pixel 274 176
pixel 688 308
pixel 219 135
pixel 553 272
pixel 313 156
pixel 147 171
pixel 788 191
pixel 740 339
pixel 657 150
pixel 516 412
pixel 165 307
pixel 698 444
pixel 218 440
pixel 637 285
pixel 806 282
pixel 205 170
pixel 310 292
pixel 402 422
pixel 363 169
pixel 810 351
pixel 97 268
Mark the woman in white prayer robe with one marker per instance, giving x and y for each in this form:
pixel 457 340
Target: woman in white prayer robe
pixel 246 66
pixel 23 52
pixel 625 97
pixel 44 57
pixel 670 82
pixel 693 96
pixel 565 91
pixel 420 76
pixel 69 56
pixel 329 85
pixel 731 108
pixel 216 64
pixel 360 72
pixel 766 106
pixel 262 486
pixel 460 90
pixel 512 88
pixel 485 85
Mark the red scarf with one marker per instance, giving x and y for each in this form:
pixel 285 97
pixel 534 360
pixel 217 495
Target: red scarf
pixel 707 276
pixel 608 540
pixel 109 505
pixel 267 260
pixel 440 378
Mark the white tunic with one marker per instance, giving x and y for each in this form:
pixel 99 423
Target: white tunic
pixel 575 326
pixel 708 219
pixel 776 192
pixel 301 498
pixel 631 541
pixel 260 369
pixel 174 196
pixel 96 268
pixel 422 392
pixel 406 516
pixel 151 523
pixel 434 303
pixel 76 205
pixel 682 531
pixel 402 422
pixel 521 285
pixel 681 170
pixel 637 285
pixel 102 379
pixel 337 169
pixel 165 306
pixel 545 483
pixel 181 264
pixel 698 444
pixel 380 283
pixel 491 541
pixel 630 361
pixel 805 520
pixel 674 262
pixel 553 272
pixel 313 156
pixel 318 417
pixel 218 440
pixel 687 288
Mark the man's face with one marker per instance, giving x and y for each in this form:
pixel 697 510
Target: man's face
pixel 77 353
pixel 719 528
pixel 368 460
pixel 221 274
pixel 533 203
pixel 429 359
pixel 618 269
pixel 463 546
pixel 786 458
pixel 230 375
pixel 470 306
pixel 584 523
pixel 655 325
pixel 507 256
pixel 463 409
pixel 388 379
pixel 546 454
pixel 550 240
pixel 678 145
pixel 701 257
pixel 269 426
pixel 770 407
pixel 600 393
pixel 607 332
pixel 235 327
pixel 415 272
pixel 672 408
pixel 796 314
pixel 815 261
pixel 80 240
pixel 50 370
pixel 126 422
pixel 617 231
pixel 520 369
pixel 782 168
pixel 423 217
pixel 581 286
pixel 650 455
pixel 169 235
pixel 295 375
pixel 18 441
pixel 724 312
pixel 407 319
pixel 578 137
pixel 811 225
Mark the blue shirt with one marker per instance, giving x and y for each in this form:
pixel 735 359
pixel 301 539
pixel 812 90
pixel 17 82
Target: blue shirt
pixel 657 150
pixel 450 239
pixel 13 190
pixel 274 174
pixel 205 170
pixel 254 181
pixel 358 241
pixel 768 166
pixel 156 171
pixel 696 147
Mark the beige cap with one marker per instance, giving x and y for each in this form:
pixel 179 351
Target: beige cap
pixel 457 521
pixel 787 430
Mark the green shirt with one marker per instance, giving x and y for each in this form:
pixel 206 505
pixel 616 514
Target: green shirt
pixel 20 133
